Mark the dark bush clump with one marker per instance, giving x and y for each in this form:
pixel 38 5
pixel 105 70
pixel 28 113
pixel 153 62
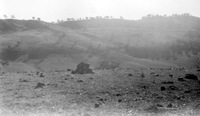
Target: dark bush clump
pixel 83 68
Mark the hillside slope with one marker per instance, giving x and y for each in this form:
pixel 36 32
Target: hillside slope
pixel 152 41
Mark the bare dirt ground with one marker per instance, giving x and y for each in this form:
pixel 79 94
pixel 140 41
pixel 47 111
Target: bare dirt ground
pixel 119 92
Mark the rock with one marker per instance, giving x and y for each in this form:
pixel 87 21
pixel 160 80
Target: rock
pixel 22 80
pixel 42 75
pixel 40 85
pixel 159 105
pixel 189 91
pixel 96 105
pixel 173 88
pixel 37 73
pixel 102 100
pixel 144 87
pixel 91 78
pixel 119 100
pixel 83 68
pixel 142 75
pixel 73 72
pixel 130 74
pixel 191 77
pixel 169 105
pixel 162 88
pixel 181 79
pixel 171 75
pixel 80 81
pixel 118 94
pixel 168 82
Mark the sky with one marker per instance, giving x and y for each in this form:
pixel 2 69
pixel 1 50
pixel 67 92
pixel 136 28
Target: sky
pixel 52 10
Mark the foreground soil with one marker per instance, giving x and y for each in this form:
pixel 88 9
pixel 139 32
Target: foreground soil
pixel 119 92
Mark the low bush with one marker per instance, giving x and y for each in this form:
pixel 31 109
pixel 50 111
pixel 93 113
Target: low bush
pixel 108 65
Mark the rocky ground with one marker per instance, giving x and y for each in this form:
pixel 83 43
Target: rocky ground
pixel 119 92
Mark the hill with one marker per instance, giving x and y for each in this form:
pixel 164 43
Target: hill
pixel 151 41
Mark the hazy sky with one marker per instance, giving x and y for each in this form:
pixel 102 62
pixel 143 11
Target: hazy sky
pixel 51 10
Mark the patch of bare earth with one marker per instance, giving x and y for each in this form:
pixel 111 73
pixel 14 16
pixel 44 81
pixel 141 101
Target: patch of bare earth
pixel 119 92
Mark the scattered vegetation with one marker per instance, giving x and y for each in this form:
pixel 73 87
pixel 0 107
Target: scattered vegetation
pixel 13 25
pixel 11 53
pixel 106 65
pixel 183 31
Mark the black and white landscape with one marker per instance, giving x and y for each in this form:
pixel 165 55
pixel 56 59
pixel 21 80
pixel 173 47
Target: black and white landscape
pixel 100 66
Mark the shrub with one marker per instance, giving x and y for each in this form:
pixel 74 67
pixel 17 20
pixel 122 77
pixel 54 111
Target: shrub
pixel 108 65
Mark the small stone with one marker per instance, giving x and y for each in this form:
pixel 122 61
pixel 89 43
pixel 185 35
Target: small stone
pixel 80 81
pixel 173 88
pixel 40 85
pixel 181 79
pixel 130 74
pixel 178 98
pixel 73 72
pixel 189 91
pixel 119 100
pixel 37 73
pixel 91 78
pixel 159 105
pixel 168 82
pixel 169 105
pixel 118 94
pixel 42 75
pixel 142 75
pixel 96 105
pixel 162 88
pixel 101 99
pixel 22 80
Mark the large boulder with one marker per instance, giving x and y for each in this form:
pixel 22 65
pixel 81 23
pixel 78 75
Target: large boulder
pixel 83 68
